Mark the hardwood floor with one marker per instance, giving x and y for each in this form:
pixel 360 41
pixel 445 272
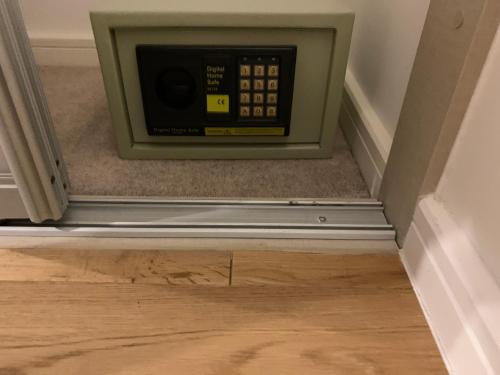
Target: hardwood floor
pixel 154 312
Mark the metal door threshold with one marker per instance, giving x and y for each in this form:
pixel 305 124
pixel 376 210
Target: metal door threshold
pixel 214 219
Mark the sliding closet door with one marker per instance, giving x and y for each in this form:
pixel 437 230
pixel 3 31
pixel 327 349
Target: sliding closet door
pixel 27 136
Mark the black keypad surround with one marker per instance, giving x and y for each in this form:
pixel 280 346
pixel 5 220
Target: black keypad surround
pixel 217 90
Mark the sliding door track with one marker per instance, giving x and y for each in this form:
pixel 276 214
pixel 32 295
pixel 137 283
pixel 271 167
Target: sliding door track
pixel 213 219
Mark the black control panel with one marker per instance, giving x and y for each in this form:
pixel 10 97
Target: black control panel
pixel 217 91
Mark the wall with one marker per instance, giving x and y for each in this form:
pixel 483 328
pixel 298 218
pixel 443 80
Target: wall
pixel 469 188
pixel 384 45
pixel 56 19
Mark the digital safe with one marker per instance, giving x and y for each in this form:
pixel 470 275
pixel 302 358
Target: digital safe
pixel 223 79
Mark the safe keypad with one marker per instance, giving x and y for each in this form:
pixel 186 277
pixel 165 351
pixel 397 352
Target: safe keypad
pixel 217 90
pixel 258 88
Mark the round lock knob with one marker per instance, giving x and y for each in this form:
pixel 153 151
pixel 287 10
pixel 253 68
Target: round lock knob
pixel 176 88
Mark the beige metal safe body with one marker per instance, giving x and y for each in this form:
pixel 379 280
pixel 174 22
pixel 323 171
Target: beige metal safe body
pixel 176 75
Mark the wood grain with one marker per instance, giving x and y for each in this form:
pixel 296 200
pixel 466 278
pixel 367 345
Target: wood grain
pixel 324 326
pixel 115 266
pixel 346 271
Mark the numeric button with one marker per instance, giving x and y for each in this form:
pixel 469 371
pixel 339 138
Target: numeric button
pixel 245 70
pixel 244 111
pixel 272 98
pixel 245 84
pixel 258 98
pixel 273 70
pixel 271 111
pixel 258 84
pixel 259 70
pixel 272 84
pixel 258 111
pixel 244 98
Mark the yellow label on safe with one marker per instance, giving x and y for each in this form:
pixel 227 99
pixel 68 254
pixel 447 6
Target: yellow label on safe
pixel 218 103
pixel 244 131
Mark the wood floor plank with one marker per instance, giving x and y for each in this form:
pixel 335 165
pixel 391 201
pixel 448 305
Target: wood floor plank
pixel 88 328
pixel 148 266
pixel 292 268
pixel 151 312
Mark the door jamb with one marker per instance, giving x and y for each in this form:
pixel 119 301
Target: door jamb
pixel 26 132
pixel 455 42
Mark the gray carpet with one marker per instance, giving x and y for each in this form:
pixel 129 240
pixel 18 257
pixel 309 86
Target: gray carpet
pixel 82 121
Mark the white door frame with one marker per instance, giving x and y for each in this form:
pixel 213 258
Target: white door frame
pixel 26 131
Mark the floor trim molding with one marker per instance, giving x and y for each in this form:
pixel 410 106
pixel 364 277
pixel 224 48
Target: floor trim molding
pixel 64 52
pixel 7 179
pixel 12 204
pixel 460 298
pixel 369 140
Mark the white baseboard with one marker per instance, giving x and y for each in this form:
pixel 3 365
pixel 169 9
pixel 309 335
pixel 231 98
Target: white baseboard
pixel 12 205
pixel 369 140
pixel 460 298
pixel 64 52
